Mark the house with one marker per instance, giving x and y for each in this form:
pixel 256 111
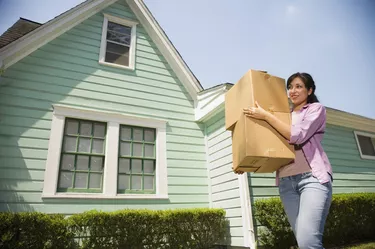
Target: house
pixel 99 111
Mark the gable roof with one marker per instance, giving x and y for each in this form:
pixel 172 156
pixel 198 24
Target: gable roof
pixel 31 41
pixel 17 30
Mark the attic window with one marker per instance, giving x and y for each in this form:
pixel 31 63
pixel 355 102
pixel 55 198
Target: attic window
pixel 366 144
pixel 118 42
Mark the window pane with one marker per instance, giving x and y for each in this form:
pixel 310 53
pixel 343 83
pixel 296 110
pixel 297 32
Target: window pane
pixel 117 49
pixel 126 133
pixel 136 166
pixel 65 180
pixel 82 163
pixel 119 28
pixel 71 127
pixel 149 135
pixel 96 163
pixel 98 146
pixel 136 182
pixel 148 166
pixel 123 182
pixel 80 180
pixel 149 150
pixel 118 37
pixel 117 59
pixel 149 182
pixel 86 129
pixel 125 149
pixel 124 165
pixel 99 130
pixel 70 144
pixel 67 162
pixel 95 180
pixel 137 134
pixel 366 145
pixel 84 145
pixel 137 149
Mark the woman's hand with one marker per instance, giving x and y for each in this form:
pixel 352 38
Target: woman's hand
pixel 256 112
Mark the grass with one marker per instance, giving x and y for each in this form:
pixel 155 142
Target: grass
pixel 370 245
pixel 363 246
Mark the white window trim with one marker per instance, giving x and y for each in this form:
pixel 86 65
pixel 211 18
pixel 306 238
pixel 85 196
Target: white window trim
pixel 113 120
pixel 103 44
pixel 359 146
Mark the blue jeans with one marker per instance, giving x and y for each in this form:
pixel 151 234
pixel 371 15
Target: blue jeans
pixel 306 204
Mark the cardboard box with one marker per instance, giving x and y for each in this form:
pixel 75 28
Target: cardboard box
pixel 258 147
pixel 268 90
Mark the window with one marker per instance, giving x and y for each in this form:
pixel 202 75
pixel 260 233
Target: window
pixel 95 154
pixel 366 144
pixel 118 42
pixel 136 160
pixel 82 157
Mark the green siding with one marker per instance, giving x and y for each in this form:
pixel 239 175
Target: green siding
pixel 224 183
pixel 66 71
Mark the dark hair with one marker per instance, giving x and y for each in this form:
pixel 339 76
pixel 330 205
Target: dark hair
pixel 309 84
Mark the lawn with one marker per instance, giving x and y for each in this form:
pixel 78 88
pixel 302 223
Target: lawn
pixel 370 245
pixel 363 246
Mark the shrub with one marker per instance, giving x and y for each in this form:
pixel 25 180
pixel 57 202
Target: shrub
pixel 351 219
pixel 34 230
pixel 131 229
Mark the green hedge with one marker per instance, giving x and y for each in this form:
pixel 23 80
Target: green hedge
pixel 351 219
pixel 34 230
pixel 131 229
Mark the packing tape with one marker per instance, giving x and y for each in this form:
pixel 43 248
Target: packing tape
pixel 271 109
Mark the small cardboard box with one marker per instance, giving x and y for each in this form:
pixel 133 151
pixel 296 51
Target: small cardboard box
pixel 258 147
pixel 268 90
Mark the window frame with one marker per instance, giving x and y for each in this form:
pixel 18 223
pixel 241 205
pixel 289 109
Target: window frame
pixel 103 44
pixel 76 154
pixel 110 175
pixel 365 134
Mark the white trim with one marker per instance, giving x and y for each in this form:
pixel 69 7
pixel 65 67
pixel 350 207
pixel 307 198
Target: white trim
pixel 111 159
pixel 247 216
pixel 210 103
pixel 113 120
pixel 133 41
pixel 106 116
pixel 122 21
pixel 98 196
pixel 30 42
pixel 53 157
pixel 365 134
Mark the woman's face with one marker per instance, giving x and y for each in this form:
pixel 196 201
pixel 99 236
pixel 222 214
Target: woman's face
pixel 298 92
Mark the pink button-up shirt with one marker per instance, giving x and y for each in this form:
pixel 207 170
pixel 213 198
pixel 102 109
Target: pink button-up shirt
pixel 307 131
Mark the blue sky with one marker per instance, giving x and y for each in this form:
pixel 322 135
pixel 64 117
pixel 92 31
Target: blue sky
pixel 220 40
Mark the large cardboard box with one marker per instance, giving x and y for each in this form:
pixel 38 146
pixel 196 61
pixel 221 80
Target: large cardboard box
pixel 268 90
pixel 258 147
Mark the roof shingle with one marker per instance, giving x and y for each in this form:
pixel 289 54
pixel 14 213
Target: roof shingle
pixel 17 30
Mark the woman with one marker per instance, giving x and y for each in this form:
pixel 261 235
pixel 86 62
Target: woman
pixel 305 185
